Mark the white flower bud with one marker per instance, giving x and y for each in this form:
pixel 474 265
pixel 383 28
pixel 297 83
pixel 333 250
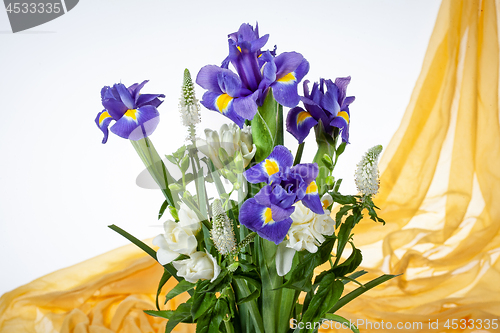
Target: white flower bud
pixel 200 265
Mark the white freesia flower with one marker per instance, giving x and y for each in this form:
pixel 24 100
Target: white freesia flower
pixel 176 240
pixel 188 219
pixel 200 265
pixel 302 214
pixel 306 233
pixel 322 225
pixel 232 139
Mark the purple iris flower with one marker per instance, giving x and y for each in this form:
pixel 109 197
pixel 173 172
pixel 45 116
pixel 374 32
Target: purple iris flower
pixel 238 96
pixel 331 107
pixel 268 212
pixel 135 114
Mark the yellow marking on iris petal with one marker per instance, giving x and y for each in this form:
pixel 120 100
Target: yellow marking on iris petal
pixel 344 115
pixel 271 167
pixel 131 114
pixel 268 216
pixel 103 116
pixel 287 78
pixel 325 204
pixel 239 48
pixel 302 117
pixel 312 188
pixel 222 102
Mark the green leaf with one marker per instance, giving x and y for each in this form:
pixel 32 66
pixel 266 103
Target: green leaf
pixel 173 212
pixel 143 246
pixel 220 312
pixel 166 275
pixel 359 291
pixel 340 150
pixel 301 275
pixel 203 302
pixel 342 211
pixel 340 319
pixel 172 159
pixel 328 293
pixel 180 152
pixel 337 185
pixel 327 161
pixel 162 209
pixel 181 287
pixel 162 314
pixel 184 163
pixel 255 294
pixel 181 314
pixel 265 127
pixel 349 265
pixel 343 199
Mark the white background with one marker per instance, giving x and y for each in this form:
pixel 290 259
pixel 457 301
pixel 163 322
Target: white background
pixel 60 187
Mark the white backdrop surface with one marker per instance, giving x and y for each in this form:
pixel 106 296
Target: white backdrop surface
pixel 60 187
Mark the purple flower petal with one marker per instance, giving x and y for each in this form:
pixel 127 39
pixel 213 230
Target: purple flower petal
pixel 149 99
pixel 287 62
pixel 207 78
pixel 258 218
pixel 102 120
pixel 229 83
pixel 299 122
pixel 342 83
pixel 342 122
pixel 135 89
pixel 138 123
pixel 307 171
pixel 279 159
pixel 246 107
pixel 115 108
pixel 125 96
pixel 311 199
pixel 222 103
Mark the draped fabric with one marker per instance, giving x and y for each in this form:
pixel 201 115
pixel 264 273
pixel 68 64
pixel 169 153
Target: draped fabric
pixel 440 196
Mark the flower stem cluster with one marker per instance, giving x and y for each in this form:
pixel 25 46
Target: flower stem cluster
pixel 367 175
pixel 222 233
pixel 189 106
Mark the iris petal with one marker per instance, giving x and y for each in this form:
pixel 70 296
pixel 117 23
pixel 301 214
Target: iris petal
pixel 115 108
pixel 125 95
pixel 149 99
pixel 299 122
pixel 102 120
pixel 342 122
pixel 135 89
pixel 279 159
pixel 246 107
pixel 311 200
pixel 256 218
pixel 307 171
pixel 141 122
pixel 222 103
pixel 207 78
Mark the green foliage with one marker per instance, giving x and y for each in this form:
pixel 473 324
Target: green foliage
pixel 265 129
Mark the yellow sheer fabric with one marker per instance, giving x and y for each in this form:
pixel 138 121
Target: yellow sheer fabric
pixel 440 196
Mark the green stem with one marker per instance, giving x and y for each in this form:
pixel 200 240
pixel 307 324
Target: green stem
pixel 271 281
pixel 251 306
pixel 298 155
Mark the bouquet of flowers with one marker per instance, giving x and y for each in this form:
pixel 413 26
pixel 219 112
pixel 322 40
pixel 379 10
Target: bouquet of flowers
pixel 251 237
